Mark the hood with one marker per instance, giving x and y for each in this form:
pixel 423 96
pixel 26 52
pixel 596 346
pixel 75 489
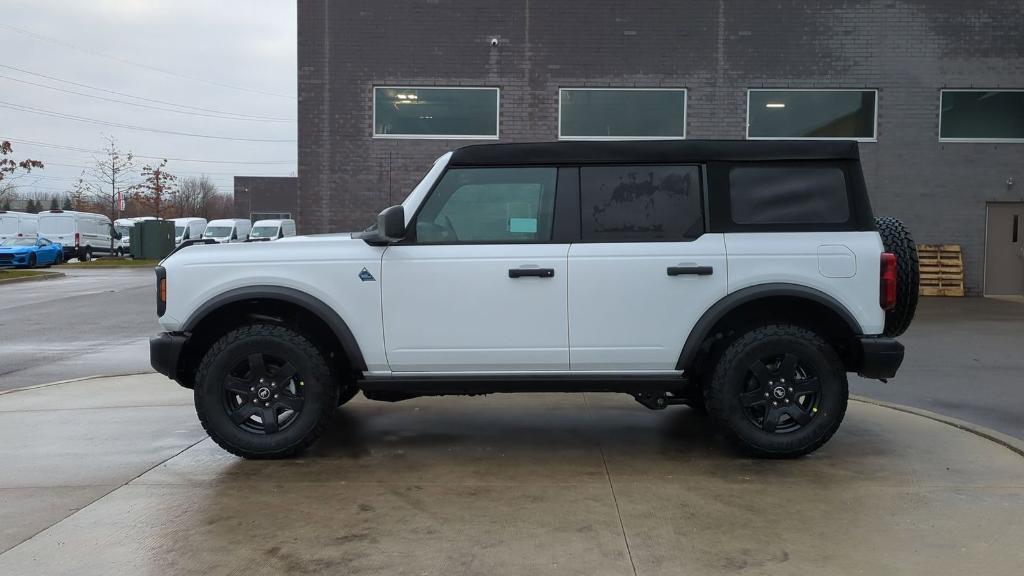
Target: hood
pixel 15 249
pixel 326 248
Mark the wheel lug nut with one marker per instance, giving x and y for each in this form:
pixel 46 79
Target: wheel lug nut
pixel 276 395
pixel 790 389
pixel 775 403
pixel 252 389
pixel 765 394
pixel 267 404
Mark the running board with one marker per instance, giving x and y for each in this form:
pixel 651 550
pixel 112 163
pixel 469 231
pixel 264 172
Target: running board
pixel 403 387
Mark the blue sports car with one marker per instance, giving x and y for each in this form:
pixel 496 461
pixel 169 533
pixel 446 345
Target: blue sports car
pixel 30 252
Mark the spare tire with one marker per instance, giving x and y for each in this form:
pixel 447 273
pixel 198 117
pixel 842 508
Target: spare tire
pixel 897 240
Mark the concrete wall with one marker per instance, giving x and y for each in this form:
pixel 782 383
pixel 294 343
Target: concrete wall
pixel 266 194
pixel 907 50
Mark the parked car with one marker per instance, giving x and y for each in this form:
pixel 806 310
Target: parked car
pixel 81 234
pixel 188 229
pixel 745 278
pixel 29 252
pixel 17 224
pixel 123 226
pixel 228 230
pixel 266 230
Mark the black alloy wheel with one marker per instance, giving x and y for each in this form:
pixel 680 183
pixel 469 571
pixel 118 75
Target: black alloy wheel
pixel 781 394
pixel 263 394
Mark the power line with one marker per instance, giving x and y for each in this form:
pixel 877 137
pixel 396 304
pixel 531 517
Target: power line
pixel 143 98
pixel 92 151
pixel 63 116
pixel 38 36
pixel 138 104
pixel 190 172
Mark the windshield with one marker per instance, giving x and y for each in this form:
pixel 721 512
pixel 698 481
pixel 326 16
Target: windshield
pixel 18 242
pixel 123 230
pixel 263 232
pixel 178 231
pixel 217 232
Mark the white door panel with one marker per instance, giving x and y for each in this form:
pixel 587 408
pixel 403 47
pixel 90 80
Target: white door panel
pixel 627 313
pixel 456 308
pixel 815 259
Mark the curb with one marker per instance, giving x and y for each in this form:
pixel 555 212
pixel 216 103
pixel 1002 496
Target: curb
pixel 32 278
pixel 70 380
pixel 1005 440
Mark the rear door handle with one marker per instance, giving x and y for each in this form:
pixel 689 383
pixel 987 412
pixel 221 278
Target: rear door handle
pixel 538 272
pixel 696 270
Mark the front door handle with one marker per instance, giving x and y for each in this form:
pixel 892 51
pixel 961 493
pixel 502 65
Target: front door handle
pixel 696 270
pixel 538 272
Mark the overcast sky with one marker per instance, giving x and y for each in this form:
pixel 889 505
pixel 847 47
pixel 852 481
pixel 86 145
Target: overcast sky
pixel 232 58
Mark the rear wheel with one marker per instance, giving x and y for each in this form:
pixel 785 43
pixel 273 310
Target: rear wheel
pixel 778 391
pixel 264 391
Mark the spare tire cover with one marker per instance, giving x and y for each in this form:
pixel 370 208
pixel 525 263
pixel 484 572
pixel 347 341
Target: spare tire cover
pixel 897 240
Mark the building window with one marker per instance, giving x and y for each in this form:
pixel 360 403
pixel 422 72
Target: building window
pixel 437 112
pixel 812 114
pixel 640 203
pixel 981 116
pixel 621 113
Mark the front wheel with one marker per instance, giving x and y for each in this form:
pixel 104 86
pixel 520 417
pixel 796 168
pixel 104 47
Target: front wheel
pixel 779 391
pixel 264 391
pixel 31 260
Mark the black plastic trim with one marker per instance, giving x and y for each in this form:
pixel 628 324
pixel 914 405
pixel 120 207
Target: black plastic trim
pixel 293 296
pixel 702 329
pixel 880 357
pixel 164 351
pixel 451 385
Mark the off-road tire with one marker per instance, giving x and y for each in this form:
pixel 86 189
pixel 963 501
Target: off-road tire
pixel 320 391
pixel 898 240
pixel 731 374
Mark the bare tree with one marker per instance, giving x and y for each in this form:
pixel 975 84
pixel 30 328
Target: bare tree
pixel 8 168
pixel 110 179
pixel 158 186
pixel 193 196
pixel 79 195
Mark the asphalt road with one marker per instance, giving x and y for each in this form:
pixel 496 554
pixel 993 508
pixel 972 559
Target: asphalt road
pixel 965 356
pixel 88 323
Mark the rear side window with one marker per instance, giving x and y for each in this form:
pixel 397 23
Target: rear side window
pixel 640 203
pixel 788 195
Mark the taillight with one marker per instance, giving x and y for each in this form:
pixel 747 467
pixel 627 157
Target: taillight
pixel 887 282
pixel 77 237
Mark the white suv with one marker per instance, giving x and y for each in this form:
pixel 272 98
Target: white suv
pixel 744 278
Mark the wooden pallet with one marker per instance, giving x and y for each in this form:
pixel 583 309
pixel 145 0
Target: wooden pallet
pixel 942 269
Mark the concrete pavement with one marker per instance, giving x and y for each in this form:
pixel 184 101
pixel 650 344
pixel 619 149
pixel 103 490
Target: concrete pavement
pixel 114 476
pixel 88 323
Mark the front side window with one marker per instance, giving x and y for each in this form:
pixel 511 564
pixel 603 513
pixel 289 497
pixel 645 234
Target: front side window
pixel 500 205
pixel 640 203
pixel 811 114
pixel 788 195
pixel 621 114
pixel 411 112
pixel 993 116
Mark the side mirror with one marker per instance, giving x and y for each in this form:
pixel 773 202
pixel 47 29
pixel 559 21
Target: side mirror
pixel 391 223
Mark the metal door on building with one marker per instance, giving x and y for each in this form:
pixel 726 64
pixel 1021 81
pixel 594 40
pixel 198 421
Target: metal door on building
pixel 1004 249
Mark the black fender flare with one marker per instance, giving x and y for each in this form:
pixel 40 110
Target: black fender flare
pixel 291 295
pixel 702 329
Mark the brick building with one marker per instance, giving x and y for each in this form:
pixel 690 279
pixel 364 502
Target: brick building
pixel 386 87
pixel 261 197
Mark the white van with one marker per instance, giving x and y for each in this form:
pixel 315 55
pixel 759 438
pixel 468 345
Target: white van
pixel 228 230
pixel 123 226
pixel 264 230
pixel 17 224
pixel 82 234
pixel 188 229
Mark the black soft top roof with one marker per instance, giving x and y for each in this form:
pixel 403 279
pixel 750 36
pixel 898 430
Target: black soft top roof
pixel 651 152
